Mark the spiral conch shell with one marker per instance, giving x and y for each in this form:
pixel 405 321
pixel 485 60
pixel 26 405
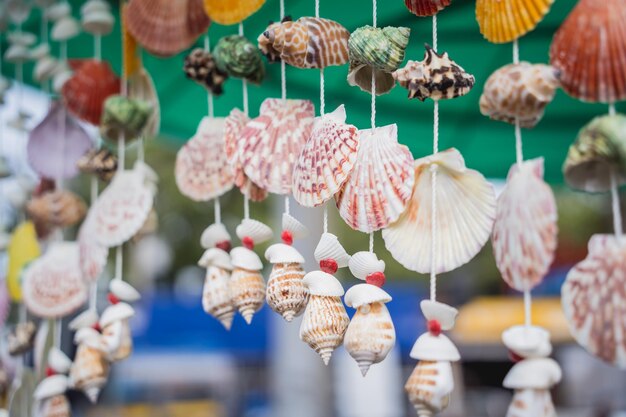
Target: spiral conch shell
pixel 50 399
pixel 216 297
pixel 238 57
pixel 116 333
pixel 436 77
pixel 309 42
pixel 503 21
pixel 247 288
pixel 519 92
pixel 525 230
pixel 90 370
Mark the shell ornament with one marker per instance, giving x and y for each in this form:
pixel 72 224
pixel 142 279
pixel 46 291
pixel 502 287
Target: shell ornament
pixel 519 92
pixel 436 77
pixel 423 8
pixel 502 21
pixel 309 42
pixel 379 51
pixel 200 67
pixel 125 117
pixel 230 12
pixel 216 297
pixel 90 370
pixel 99 162
pixel 49 397
pixel 239 58
pixel 115 321
pixel 60 208
pixel 22 338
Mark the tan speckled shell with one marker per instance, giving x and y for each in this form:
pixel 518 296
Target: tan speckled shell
pixel 286 293
pixel 324 324
pixel 429 387
pixel 531 403
pixel 216 299
pixel 126 346
pixel 90 370
pixel 247 291
pixel 56 406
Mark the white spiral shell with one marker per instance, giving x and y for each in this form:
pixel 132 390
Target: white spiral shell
pixel 216 295
pixel 324 324
pixel 247 292
pixel 429 387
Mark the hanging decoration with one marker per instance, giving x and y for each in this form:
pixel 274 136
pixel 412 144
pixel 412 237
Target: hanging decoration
pixel 505 21
pixel 49 396
pixel 114 321
pixel 216 297
pixel 239 58
pixel 99 162
pixel 200 66
pixel 59 208
pixel 90 369
pixel 230 12
pixel 424 8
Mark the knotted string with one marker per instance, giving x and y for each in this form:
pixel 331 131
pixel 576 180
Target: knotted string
pixel 433 191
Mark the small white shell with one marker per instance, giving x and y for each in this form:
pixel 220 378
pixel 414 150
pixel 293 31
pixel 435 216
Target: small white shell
pixel 17 54
pixel 116 312
pixel 528 341
pixel 286 293
pixel 330 248
pixel 323 284
pixel 45 68
pixel 244 258
pixel 124 291
pixel 96 17
pixel 22 38
pixel 216 297
pixel 64 29
pixel 364 263
pixel 297 229
pixel 434 348
pixel 213 235
pixel 51 386
pixel 86 319
pixel 280 253
pixel 361 294
pixel 216 257
pixel 259 232
pixel 58 361
pixel 40 51
pixel 61 76
pixel 536 373
pixel 57 11
pixel 443 313
pixel 429 387
pixel 86 333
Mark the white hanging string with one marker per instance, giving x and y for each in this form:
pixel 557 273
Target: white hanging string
pixel 210 105
pixel 325 218
pixel 373 110
pixel 97 47
pixel 246 206
pixel 527 308
pixel 287 203
pixel 119 259
pixel 58 329
pixel 612 109
pixel 93 296
pixel 519 155
pixel 283 71
pixel 433 191
pixel 371 246
pixel 217 210
pixel 246 200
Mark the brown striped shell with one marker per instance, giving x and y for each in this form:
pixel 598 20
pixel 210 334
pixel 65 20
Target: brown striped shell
pixel 247 290
pixel 90 370
pixel 216 297
pixel 429 387
pixel 286 293
pixel 324 325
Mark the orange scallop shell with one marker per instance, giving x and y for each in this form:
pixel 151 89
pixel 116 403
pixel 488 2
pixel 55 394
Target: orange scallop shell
pixel 426 7
pixel 503 21
pixel 230 12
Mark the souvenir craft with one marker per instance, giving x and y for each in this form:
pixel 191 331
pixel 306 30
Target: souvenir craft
pixel 239 58
pixel 502 21
pixel 99 162
pixel 114 322
pixel 64 29
pixel 216 297
pixel 124 117
pixel 141 88
pixel 92 255
pixel 230 12
pixel 424 8
pixel 23 248
pixel 96 17
pixel 200 67
pixel 22 338
pixel 90 369
pixel 59 208
pixel 50 399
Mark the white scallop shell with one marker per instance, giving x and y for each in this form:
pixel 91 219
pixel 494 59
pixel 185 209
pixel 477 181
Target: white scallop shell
pixel 93 255
pixel 525 231
pixel 528 341
pixel 51 386
pixel 531 403
pixel 17 54
pixel 330 248
pixel 364 263
pixel 45 68
pixel 215 257
pixel 213 235
pixel 536 373
pixel 96 17
pixel 244 258
pixel 362 294
pixel 429 387
pixel 466 208
pixel 429 347
pixel 116 312
pixel 286 293
pixel 123 290
pixel 57 11
pixel 86 319
pixel 380 186
pixel 297 229
pixel 65 29
pixel 61 76
pixel 216 297
pixel 58 361
pixel 259 232
pixel 280 253
pixel 326 160
pixel 247 292
pixel 323 284
pixel 86 334
pixel 443 313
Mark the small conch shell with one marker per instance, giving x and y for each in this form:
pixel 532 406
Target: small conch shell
pixel 379 51
pixel 286 293
pixel 65 29
pixel 230 12
pixel 124 116
pixel 217 236
pixel 519 92
pixel 429 387
pixel 96 17
pixel 527 341
pixel 239 58
pixel 200 67
pixel 50 399
pixel 424 8
pixel 59 208
pixel 254 229
pixel 364 263
pixel 330 248
pixel 295 227
pixel 216 296
pixel 90 370
pixel 100 162
pixel 309 42
pixel 503 21
pixel 247 288
pixel 116 334
pixel 436 77
pixel 531 403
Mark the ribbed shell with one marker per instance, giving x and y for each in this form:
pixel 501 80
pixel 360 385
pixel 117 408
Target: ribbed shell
pixel 55 406
pixel 271 143
pixel 131 57
pixel 324 324
pixel 286 293
pixel 531 403
pixel 326 160
pixel 59 208
pixel 381 48
pixel 466 208
pixel 380 186
pixel 503 21
pixel 230 12
pixel 216 299
pixel 519 91
pixel 92 255
pixel 426 7
pixel 594 299
pixel 120 332
pixel 429 387
pixel 247 291
pixel 90 369
pixel 589 50
pixel 525 231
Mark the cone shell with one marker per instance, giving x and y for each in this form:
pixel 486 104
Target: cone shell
pixel 309 42
pixel 271 143
pixel 216 297
pixel 429 387
pixel 259 232
pixel 54 406
pixel 466 208
pixel 329 248
pixel 56 209
pixel 92 255
pixel 165 27
pixel 531 403
pixel 380 186
pixel 90 370
pixel 202 171
pixel 238 57
pixel 326 160
pixel 286 293
pixel 324 325
pixel 503 21
pixel 424 8
pixel 593 299
pixel 589 50
pixel 124 116
pixel 519 92
pixel 230 12
pixel 247 291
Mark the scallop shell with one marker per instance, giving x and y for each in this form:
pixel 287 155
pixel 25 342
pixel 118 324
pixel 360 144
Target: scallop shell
pixel 429 387
pixel 291 224
pixel 503 21
pixel 122 208
pixel 271 143
pixel 56 209
pixel 100 162
pixel 17 54
pixel 126 117
pixel 380 186
pixel 90 371
pixel 166 27
pixel 216 297
pixel 92 255
pixel 466 210
pixel 259 232
pixel 527 341
pixel 244 258
pixel 536 373
pixel 280 253
pixel 363 263
pixel 216 257
pixel 436 77
pixel 525 231
pixel 213 235
pixel 91 84
pixel 326 160
pixel 360 295
pixel 85 320
pixel 329 248
pixel 230 12
pixel 65 29
pixel 324 324
pixel 531 403
pixel 424 8
pixel 202 171
pixel 238 57
pixel 443 313
pixel 589 51
pixel 592 298
pixel 598 152
pixel 286 293
pixel 96 17
pixel 247 291
pixel 123 291
pixel 200 67
pixel 53 286
pixel 141 87
pixel 53 406
pixel 519 92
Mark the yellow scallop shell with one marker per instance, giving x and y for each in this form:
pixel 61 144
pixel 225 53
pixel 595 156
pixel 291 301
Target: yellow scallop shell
pixel 22 249
pixel 503 21
pixel 132 59
pixel 230 12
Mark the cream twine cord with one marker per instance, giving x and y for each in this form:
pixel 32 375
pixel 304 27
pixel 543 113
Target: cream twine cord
pixel 207 48
pixel 217 210
pixel 433 191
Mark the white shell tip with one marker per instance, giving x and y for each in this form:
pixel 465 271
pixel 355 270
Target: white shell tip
pixel 92 393
pixel 259 232
pixel 330 248
pixel 289 315
pixel 247 315
pixel 325 354
pixel 227 320
pixel 445 314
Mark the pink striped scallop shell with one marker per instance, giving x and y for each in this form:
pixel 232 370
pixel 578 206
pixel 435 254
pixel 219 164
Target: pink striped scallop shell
pixel 92 255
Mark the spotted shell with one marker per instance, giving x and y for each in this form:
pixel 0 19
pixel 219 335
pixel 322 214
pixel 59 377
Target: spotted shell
pixel 100 162
pixel 502 21
pixel 424 8
pixel 247 291
pixel 59 208
pixel 531 403
pixel 309 42
pixel 380 186
pixel 324 324
pixel 525 230
pixel 216 297
pixel 519 92
pixel 429 387
pixel 286 293
pixel 230 12
pixel 240 58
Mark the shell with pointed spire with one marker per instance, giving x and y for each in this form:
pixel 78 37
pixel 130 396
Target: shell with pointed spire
pixel 286 293
pixel 502 21
pixel 259 232
pixel 90 370
pixel 230 12
pixel 429 387
pixel 247 291
pixel 424 8
pixel 329 248
pixel 238 57
pixel 216 294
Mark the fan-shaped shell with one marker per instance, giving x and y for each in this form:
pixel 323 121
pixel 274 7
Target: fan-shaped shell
pixel 295 227
pixel 286 293
pixel 166 27
pixel 202 171
pixel 429 387
pixel 426 7
pixel 364 263
pixel 91 84
pixel 122 208
pixel 503 21
pixel 230 12
pixel 238 57
pixel 216 297
pixel 141 87
pixel 53 286
pixel 271 143
pixel 329 248
pixel 59 208
pixel 92 255
pixel 525 231
pixel 466 208
pixel 326 160
pixel 324 324
pixel 380 186
pixel 254 229
pixel 64 29
pixel 247 291
pixel 593 299
pixel 589 50
pixel 531 403
pixel 519 92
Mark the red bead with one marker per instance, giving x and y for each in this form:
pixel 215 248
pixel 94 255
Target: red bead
pixel 377 279
pixel 434 327
pixel 50 371
pixel 223 245
pixel 514 357
pixel 96 327
pixel 287 237
pixel 329 266
pixel 248 242
pixel 112 298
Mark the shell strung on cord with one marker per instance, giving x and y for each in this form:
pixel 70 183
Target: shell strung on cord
pixel 309 42
pixel 589 50
pixel 377 50
pixel 165 27
pixel 216 296
pixel 527 341
pixel 380 186
pixel 200 67
pixel 90 370
pixel 123 116
pixel 230 12
pixel 92 255
pixel 466 208
pixel 116 334
pixel 519 92
pixel 531 403
pixel 202 170
pixel 247 288
pixel 436 77
pixel 99 162
pixel 524 235
pixel 216 236
pixel 22 338
pixel 60 208
pixel 255 230
pixel 65 29
pixel 271 143
pixel 424 8
pixel 96 17
pixel 238 57
pixel 598 153
pixel 141 87
pixel 329 248
pixel 592 298
pixel 326 160
pixel 286 293
pixel 294 226
pixel 429 387
pixel 502 21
